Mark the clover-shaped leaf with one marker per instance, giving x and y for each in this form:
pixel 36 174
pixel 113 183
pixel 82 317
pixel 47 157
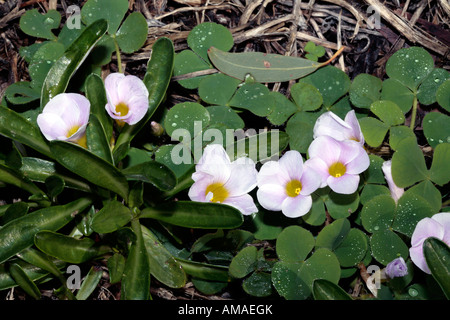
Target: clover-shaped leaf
pixel 443 95
pixel 253 97
pixel 428 88
pixel 294 244
pixel 436 128
pixel 132 33
pixel 40 25
pixel 364 90
pixel 183 116
pixel 112 11
pixel 306 96
pixel 393 90
pixel 314 52
pixel 386 246
pixel 217 88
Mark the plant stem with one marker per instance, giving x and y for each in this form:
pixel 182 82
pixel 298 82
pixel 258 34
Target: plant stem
pixel 414 113
pixel 119 59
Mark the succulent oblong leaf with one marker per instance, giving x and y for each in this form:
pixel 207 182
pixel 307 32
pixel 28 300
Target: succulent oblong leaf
pixel 196 215
pixel 437 255
pixel 261 66
pixel 327 290
pixel 19 233
pixel 99 171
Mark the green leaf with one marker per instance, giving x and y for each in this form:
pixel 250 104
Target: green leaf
pixel 116 265
pixel 205 271
pixel 186 62
pixel 89 284
pixel 378 213
pixel 111 217
pixel 259 284
pixel 207 35
pixel 63 69
pixel 388 112
pixel 152 172
pixel 429 192
pixel 387 246
pixel 164 155
pixel 133 33
pixel 21 93
pixel 19 233
pixel 99 171
pixel 55 186
pixel 112 11
pixel 294 244
pixel 373 130
pixel 156 79
pixel 327 290
pixel 408 164
pixel 43 60
pixel 282 110
pixel 365 90
pixel 244 262
pixel 183 116
pixel 16 127
pixel 341 205
pixel 333 234
pixel 97 142
pixel 443 95
pixel 261 66
pixel 255 98
pixel 331 82
pixel 396 92
pixel 40 25
pixel 437 255
pixel 16 178
pixel 411 208
pixel 226 116
pixel 163 265
pixel 439 172
pixel 427 90
pixel 22 279
pixel 410 66
pixel 196 215
pixel 300 130
pixel 353 248
pixel 96 94
pixel 266 225
pixel 306 96
pixel 374 174
pixel 436 128
pixel 217 88
pixel 68 248
pixel 136 278
pixel 397 134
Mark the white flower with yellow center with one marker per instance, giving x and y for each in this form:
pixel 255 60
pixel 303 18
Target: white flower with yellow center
pixel 65 118
pixel 217 179
pixel 286 185
pixel 127 98
pixel 339 163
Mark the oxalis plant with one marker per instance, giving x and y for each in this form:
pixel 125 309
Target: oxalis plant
pixel 108 174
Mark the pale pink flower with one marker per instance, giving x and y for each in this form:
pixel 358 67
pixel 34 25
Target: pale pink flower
pixel 65 118
pixel 329 124
pixel 438 226
pixel 338 163
pixel 127 98
pixel 396 192
pixel 286 185
pixel 217 179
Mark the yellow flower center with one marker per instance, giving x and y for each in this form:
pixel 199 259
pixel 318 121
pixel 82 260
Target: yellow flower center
pixel 122 109
pixel 354 139
pixel 337 170
pixel 220 193
pixel 72 131
pixel 293 188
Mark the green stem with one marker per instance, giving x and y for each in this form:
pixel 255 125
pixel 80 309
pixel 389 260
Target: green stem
pixel 414 113
pixel 119 59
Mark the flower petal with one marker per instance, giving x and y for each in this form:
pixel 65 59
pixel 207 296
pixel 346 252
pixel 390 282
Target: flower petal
pixel 83 105
pixel 329 124
pixel 292 163
pixel 129 87
pixel 417 257
pixel 310 181
pixel 347 184
pixel 325 148
pixel 271 196
pixel 352 121
pixel 444 219
pixel 294 207
pixel 242 178
pixel 197 191
pixel 243 203
pixel 319 167
pixel 52 126
pixel 215 162
pixel 111 87
pixel 271 173
pixel 360 162
pixel 138 108
pixel 425 228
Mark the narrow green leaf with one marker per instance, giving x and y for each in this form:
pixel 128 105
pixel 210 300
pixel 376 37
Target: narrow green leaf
pixel 111 217
pixel 196 215
pixel 98 172
pixel 97 142
pixel 19 233
pixel 16 127
pixel 261 66
pixel 90 283
pixel 152 172
pixel 136 277
pixel 16 178
pixel 61 72
pixel 68 248
pixel 437 255
pixel 327 290
pixel 116 265
pixel 205 271
pixel 24 281
pixel 157 79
